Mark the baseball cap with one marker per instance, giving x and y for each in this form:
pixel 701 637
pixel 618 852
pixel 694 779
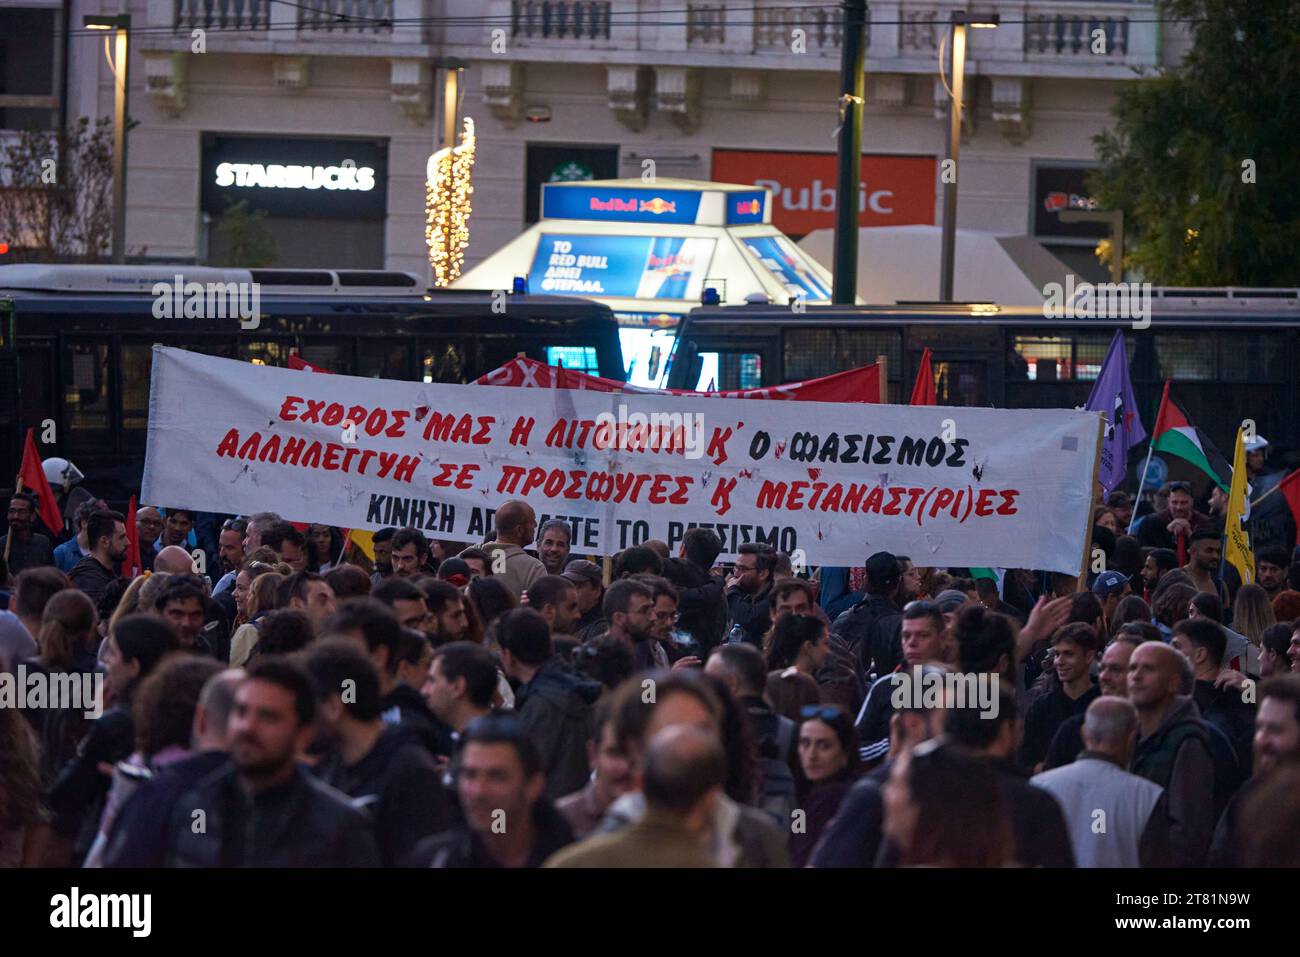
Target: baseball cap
pixel 1256 444
pixel 1108 583
pixel 581 570
pixel 950 599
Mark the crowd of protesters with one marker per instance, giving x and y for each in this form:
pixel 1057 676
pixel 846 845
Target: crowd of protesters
pixel 273 695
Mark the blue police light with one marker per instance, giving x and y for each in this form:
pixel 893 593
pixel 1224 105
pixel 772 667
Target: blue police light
pixel 520 285
pixel 710 297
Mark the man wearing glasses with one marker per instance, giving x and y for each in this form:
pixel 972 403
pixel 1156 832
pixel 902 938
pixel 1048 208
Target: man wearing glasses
pixel 1173 526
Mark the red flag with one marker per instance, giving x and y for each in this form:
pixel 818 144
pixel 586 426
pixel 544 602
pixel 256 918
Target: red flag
pixel 294 362
pixel 923 392
pixel 131 564
pixel 1290 489
pixel 32 478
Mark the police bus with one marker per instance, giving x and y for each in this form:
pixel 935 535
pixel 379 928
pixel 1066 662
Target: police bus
pixel 1232 354
pixel 75 342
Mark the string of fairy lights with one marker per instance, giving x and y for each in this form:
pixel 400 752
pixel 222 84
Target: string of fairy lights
pixel 447 191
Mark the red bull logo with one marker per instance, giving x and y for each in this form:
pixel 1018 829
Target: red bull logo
pixel 749 207
pixel 657 206
pixel 614 205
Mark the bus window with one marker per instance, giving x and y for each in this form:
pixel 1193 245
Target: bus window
pixel 962 383
pixel 810 353
pixel 265 352
pixel 136 363
pixel 383 358
pixel 1185 356
pixel 332 354
pixel 722 369
pixel 1046 358
pixel 576 358
pixel 85 394
pixel 1252 358
pixel 445 360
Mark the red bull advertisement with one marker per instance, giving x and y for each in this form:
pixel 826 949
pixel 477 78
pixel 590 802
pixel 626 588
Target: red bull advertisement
pixel 619 204
pixel 632 267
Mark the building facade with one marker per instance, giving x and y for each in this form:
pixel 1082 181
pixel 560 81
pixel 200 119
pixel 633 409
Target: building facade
pixel 343 98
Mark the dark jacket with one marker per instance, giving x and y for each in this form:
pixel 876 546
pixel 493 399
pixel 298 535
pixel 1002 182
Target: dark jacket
pixel 1045 716
pixel 873 629
pixel 1037 824
pixel 1066 744
pixel 819 804
pixel 1178 756
pixel 33 553
pixel 462 847
pixel 1225 709
pixel 138 837
pixel 854 836
pixel 399 788
pixel 701 606
pixel 303 823
pixel 1225 847
pixel 555 708
pixel 405 710
pixel 92 577
pixel 78 793
pixel 751 612
pixel 1154 531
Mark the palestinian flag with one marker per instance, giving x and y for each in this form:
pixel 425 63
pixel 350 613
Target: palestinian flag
pixel 1174 434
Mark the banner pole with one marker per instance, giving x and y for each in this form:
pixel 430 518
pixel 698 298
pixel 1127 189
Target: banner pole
pixel 607 569
pixel 883 363
pixel 1142 481
pixel 1092 494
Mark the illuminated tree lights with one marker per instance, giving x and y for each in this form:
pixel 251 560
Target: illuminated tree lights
pixel 447 207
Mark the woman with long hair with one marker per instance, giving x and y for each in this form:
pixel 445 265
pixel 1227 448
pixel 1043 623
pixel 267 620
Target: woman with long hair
pixel 828 760
pixel 490 600
pixel 261 601
pixel 329 546
pixel 1252 613
pixel 797 646
pixel 1130 608
pixel 65 646
pixel 24 827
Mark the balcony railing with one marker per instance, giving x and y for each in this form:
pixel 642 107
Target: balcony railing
pixel 1064 34
pixel 347 16
pixel 560 19
pixel 774 26
pixel 706 23
pixel 221 15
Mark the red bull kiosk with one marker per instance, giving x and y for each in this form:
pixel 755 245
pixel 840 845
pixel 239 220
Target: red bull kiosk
pixel 649 250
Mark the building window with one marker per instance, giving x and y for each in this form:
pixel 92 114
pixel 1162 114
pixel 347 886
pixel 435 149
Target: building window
pixel 28 68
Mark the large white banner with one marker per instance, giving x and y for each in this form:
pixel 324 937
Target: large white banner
pixel 944 486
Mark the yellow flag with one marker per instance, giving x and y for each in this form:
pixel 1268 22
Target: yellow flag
pixel 1236 547
pixel 365 541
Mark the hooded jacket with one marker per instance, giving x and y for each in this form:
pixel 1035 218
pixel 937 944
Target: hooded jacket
pixel 521 569
pixel 555 709
pixel 1178 756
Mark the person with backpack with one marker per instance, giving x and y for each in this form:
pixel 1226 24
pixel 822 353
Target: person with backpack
pixel 873 627
pixel 742 668
pixel 828 761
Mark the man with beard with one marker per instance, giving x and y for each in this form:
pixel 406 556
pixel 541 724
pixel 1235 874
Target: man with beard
pixel 1271 565
pixel 555 599
pixel 1172 526
pixel 553 541
pixel 508 820
pixel 590 586
pixel 308 593
pixel 387 775
pixel 448 620
pixel 1276 745
pixel 1158 561
pixel 106 535
pixel 629 607
pixel 266 809
pixel 1203 558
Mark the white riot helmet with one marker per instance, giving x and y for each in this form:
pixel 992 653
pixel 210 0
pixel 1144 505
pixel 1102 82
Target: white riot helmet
pixel 61 474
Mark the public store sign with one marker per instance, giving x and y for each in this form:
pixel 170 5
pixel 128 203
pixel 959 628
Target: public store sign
pixel 328 179
pixel 894 190
pixel 948 486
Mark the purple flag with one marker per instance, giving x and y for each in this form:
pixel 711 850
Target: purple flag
pixel 1112 395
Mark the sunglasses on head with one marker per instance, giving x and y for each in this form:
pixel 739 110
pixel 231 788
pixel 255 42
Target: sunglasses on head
pixel 822 713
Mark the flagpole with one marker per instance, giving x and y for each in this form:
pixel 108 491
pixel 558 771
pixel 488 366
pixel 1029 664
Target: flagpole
pixel 1092 511
pixel 1142 479
pixel 9 535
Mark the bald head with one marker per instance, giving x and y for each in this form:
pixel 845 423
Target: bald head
pixel 1109 726
pixel 516 523
pixel 1155 676
pixel 683 767
pixel 212 716
pixel 174 560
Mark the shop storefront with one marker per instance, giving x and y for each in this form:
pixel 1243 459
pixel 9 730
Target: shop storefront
pixel 324 200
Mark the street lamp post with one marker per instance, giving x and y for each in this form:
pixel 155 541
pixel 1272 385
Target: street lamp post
pixel 852 92
pixel 121 27
pixel 961 20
